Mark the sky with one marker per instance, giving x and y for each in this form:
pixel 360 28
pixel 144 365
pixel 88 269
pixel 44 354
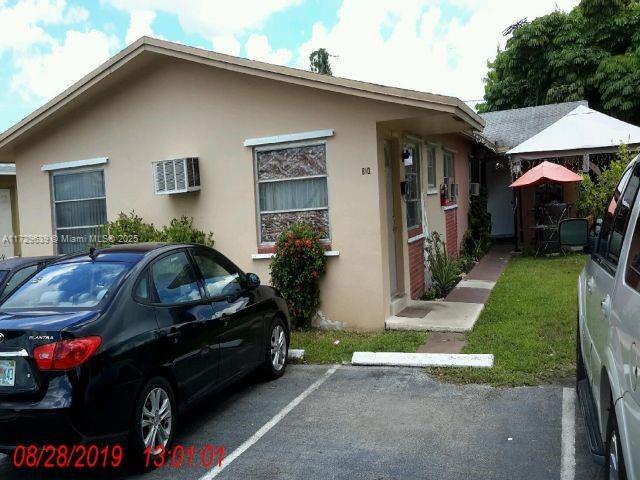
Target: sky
pixel 438 46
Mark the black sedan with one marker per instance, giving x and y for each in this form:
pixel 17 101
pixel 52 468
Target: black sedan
pixel 14 271
pixel 113 345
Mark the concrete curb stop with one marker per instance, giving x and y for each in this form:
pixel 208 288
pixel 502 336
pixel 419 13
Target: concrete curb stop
pixel 398 359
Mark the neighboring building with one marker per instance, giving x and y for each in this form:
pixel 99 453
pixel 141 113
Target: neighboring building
pixel 514 141
pixel 503 131
pixel 273 145
pixel 9 226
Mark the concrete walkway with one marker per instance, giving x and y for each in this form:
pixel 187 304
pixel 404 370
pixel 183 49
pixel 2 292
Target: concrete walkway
pixel 459 311
pixel 474 289
pixel 477 285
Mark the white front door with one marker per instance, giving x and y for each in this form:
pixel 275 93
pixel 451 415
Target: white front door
pixel 391 220
pixel 6 223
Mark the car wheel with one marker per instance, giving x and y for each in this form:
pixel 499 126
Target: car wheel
pixel 614 461
pixel 277 349
pixel 153 424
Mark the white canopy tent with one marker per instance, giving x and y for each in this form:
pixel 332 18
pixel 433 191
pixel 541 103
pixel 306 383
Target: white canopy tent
pixel 579 133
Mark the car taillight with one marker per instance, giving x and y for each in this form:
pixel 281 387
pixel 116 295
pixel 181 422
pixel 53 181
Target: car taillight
pixel 66 354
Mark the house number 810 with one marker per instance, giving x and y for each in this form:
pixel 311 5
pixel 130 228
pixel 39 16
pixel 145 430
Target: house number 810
pixel 366 170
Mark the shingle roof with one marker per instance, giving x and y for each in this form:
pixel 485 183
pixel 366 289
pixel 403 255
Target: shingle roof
pixel 508 128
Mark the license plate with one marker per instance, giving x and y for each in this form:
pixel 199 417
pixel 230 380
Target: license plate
pixel 7 373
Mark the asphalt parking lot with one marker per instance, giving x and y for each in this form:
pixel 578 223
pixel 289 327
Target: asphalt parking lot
pixel 379 423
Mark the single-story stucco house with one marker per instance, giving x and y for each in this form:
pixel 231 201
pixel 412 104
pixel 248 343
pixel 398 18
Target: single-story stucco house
pixel 252 147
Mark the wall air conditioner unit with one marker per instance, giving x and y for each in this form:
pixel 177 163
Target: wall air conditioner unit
pixel 474 189
pixel 176 176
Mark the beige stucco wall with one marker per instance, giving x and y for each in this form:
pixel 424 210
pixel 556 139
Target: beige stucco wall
pixel 176 109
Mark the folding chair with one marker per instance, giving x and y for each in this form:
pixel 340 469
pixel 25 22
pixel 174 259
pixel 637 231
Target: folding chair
pixel 573 232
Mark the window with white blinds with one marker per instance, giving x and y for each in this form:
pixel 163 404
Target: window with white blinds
pixel 79 208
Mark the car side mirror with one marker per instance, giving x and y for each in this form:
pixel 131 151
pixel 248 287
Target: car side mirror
pixel 252 280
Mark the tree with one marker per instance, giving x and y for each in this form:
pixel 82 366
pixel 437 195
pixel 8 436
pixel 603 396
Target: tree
pixel 595 195
pixel 319 61
pixel 591 53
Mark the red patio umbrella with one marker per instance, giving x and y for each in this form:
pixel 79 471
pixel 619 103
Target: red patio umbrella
pixel 546 172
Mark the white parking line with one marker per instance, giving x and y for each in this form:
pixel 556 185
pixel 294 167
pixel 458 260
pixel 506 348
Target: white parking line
pixel 215 471
pixel 568 453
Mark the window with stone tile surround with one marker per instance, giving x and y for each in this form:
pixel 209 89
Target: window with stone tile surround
pixel 292 187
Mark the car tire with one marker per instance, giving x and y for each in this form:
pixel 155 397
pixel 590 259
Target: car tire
pixel 614 459
pixel 150 412
pixel 276 350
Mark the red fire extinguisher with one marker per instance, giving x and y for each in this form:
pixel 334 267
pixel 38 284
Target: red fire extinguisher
pixel 443 195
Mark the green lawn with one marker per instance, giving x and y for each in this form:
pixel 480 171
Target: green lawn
pixel 528 323
pixel 319 345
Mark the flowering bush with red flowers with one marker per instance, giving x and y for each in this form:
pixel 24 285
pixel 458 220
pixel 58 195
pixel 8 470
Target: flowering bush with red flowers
pixel 296 270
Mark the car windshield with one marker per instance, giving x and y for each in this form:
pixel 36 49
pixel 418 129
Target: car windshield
pixel 79 285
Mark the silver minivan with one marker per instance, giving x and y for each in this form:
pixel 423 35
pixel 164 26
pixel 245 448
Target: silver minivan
pixel 608 347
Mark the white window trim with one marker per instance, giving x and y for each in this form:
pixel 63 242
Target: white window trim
pixel 289 137
pixel 74 164
pixel 450 207
pixel 268 148
pixel 268 256
pixel 416 238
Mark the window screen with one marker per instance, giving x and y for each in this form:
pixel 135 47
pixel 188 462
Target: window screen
pixel 412 196
pixel 449 168
pixel 80 208
pixel 431 167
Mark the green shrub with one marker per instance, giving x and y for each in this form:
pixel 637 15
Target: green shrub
pixel 429 294
pixel 595 195
pixel 474 247
pixel 479 217
pixel 181 230
pixel 477 239
pixel 296 269
pixel 444 269
pixel 466 262
pixel 131 228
